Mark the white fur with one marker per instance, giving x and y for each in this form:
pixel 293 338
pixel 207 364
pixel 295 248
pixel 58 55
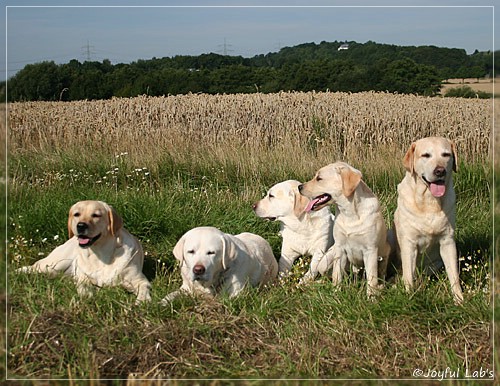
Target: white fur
pixel 228 262
pixel 303 233
pixel 425 224
pixel 115 258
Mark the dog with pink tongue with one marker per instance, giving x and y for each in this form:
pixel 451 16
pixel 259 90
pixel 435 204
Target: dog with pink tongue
pixel 359 231
pixel 424 221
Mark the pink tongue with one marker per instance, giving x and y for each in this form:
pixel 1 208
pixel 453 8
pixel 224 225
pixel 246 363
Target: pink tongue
pixel 310 205
pixel 437 190
pixel 83 241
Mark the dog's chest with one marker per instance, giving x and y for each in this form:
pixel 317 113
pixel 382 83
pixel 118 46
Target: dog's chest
pixel 433 225
pixel 91 268
pixel 354 253
pixel 308 239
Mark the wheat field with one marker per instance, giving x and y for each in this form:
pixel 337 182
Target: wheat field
pixel 352 127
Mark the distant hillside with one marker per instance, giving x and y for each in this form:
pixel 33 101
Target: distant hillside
pixel 334 66
pixel 449 62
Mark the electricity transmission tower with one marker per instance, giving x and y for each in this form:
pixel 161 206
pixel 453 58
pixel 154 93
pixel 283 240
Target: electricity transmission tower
pixel 225 48
pixel 87 51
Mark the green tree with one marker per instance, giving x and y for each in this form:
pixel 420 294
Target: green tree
pixel 40 81
pixel 406 76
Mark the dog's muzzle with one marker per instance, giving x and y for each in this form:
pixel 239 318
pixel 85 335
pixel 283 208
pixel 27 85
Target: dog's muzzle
pixel 437 187
pixel 198 272
pixel 85 241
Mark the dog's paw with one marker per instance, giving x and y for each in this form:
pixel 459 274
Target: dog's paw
pixel 84 290
pixel 26 269
pixel 169 298
pixel 308 278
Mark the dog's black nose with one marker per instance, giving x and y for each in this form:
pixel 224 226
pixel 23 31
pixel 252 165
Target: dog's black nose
pixel 300 187
pixel 440 171
pixel 198 269
pixel 81 227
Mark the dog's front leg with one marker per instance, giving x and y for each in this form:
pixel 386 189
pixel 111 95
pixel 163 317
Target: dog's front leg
pixel 84 287
pixel 448 251
pixel 339 263
pixel 409 253
pixel 370 260
pixel 187 288
pixel 233 285
pixel 140 286
pixel 143 292
pixel 312 272
pixel 321 263
pixel 60 260
pixel 171 296
pixel 286 261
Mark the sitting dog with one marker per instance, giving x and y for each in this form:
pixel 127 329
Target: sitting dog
pixel 359 231
pixel 214 262
pixel 99 252
pixel 425 216
pixel 303 233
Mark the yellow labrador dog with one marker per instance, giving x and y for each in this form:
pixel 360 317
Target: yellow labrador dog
pixel 212 262
pixel 425 216
pixel 359 231
pixel 303 233
pixel 99 252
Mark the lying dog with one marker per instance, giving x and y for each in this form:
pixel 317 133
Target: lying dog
pixel 425 216
pixel 359 231
pixel 99 252
pixel 303 233
pixel 213 262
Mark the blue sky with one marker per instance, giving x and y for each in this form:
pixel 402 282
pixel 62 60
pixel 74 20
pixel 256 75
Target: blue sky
pixel 127 31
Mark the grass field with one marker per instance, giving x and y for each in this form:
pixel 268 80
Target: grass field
pixel 171 164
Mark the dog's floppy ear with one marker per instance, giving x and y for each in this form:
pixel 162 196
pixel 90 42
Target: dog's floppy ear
pixel 70 218
pixel 299 202
pixel 228 251
pixel 455 158
pixel 115 221
pixel 350 181
pixel 409 158
pixel 178 250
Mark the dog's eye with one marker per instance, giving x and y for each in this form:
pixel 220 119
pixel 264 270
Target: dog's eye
pixel 191 251
pixel 270 195
pixel 318 178
pixel 76 214
pixel 446 154
pixel 426 155
pixel 210 253
pixel 96 215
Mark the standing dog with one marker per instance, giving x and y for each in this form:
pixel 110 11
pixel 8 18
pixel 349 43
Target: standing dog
pixel 359 231
pixel 425 216
pixel 212 261
pixel 99 252
pixel 303 233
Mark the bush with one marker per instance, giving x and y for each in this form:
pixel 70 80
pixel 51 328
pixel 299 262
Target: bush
pixel 466 92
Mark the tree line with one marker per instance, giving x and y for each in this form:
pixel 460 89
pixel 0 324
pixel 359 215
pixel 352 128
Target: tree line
pixel 306 67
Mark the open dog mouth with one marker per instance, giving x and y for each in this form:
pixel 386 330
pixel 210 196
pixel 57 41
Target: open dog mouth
pixel 85 241
pixel 318 202
pixel 437 188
